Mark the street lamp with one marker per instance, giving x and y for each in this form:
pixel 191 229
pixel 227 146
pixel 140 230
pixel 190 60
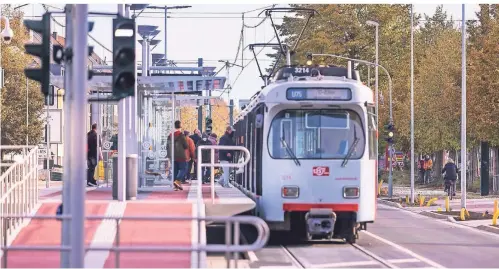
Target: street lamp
pixel 166 8
pixel 375 24
pixel 390 178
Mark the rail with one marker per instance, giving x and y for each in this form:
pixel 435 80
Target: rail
pixel 19 188
pixel 259 224
pixel 212 165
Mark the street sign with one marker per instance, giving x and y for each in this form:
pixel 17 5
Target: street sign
pixel 42 153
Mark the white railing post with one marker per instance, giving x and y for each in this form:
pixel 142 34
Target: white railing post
pixel 212 164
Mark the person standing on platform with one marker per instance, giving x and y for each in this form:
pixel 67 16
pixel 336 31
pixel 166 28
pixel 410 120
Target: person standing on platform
pixel 225 156
pixel 180 161
pixel 196 137
pixel 190 154
pixel 94 148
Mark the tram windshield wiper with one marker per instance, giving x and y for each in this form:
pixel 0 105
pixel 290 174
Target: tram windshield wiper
pixel 352 147
pixel 290 152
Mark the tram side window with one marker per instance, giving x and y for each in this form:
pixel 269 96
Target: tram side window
pixel 372 132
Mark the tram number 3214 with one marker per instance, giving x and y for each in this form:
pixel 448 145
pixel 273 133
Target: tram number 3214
pixel 302 70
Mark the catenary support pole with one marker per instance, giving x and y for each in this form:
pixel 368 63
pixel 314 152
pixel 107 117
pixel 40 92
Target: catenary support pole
pixel 78 104
pixel 122 146
pixel 131 114
pixel 67 176
pixel 412 104
pixel 166 33
pixel 463 110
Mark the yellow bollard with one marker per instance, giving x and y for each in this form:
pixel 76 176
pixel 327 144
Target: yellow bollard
pixel 407 199
pixel 431 201
pixel 447 204
pixel 462 213
pixel 421 201
pixel 379 187
pixel 467 213
pixel 494 218
pixel 495 207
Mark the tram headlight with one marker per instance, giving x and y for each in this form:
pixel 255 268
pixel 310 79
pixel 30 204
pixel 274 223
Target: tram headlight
pixel 351 192
pixel 290 192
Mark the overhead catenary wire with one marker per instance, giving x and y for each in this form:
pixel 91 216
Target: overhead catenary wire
pixel 63 26
pixel 246 65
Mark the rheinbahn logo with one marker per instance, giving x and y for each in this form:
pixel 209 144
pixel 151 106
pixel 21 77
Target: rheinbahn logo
pixel 320 171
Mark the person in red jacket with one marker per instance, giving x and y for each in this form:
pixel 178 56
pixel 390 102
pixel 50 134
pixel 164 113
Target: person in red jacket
pixel 180 161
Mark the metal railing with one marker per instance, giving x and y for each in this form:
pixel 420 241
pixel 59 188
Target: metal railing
pixel 19 188
pixel 212 165
pixel 259 224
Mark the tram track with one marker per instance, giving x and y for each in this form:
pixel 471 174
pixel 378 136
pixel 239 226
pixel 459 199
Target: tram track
pixel 373 259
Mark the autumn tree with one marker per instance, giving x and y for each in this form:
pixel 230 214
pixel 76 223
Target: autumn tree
pixel 15 129
pixel 483 76
pixel 437 85
pixel 342 30
pixel 219 114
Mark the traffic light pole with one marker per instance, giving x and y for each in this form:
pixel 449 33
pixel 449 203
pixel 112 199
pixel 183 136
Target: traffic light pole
pixel 122 136
pixel 66 186
pixel 77 103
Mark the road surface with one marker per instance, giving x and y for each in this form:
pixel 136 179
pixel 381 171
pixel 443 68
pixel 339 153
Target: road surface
pixel 398 239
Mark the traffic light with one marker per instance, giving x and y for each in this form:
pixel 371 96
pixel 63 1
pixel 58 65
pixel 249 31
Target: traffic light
pixel 390 131
pixel 49 98
pixel 124 72
pixel 42 51
pixel 209 126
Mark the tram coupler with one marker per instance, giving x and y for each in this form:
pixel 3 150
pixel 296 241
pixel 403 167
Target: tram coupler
pixel 320 222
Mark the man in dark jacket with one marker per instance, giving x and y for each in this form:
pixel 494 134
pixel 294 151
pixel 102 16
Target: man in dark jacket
pixel 450 169
pixel 205 157
pixel 180 161
pixel 196 137
pixel 226 156
pixel 94 150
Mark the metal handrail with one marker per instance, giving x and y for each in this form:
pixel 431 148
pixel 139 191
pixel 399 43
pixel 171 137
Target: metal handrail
pixel 260 242
pixel 18 189
pixel 212 165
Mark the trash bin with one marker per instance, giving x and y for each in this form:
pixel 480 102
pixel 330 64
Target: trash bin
pixel 115 177
pixel 131 177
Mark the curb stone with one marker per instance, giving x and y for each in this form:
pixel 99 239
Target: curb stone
pixel 487 228
pixel 437 216
pixel 390 203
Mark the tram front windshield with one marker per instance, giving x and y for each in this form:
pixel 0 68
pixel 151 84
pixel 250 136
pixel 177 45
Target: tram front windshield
pixel 316 134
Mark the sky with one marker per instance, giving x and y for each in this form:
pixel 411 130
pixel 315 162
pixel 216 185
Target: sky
pixel 192 35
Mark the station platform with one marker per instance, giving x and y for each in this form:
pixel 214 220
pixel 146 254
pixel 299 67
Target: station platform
pixel 227 202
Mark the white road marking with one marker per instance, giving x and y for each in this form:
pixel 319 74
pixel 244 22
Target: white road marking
pixel 403 260
pixel 405 250
pixel 104 236
pixel 344 264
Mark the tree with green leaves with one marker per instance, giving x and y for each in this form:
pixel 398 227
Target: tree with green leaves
pixel 19 95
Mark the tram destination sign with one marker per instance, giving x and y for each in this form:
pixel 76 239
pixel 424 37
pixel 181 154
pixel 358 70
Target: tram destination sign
pixel 323 94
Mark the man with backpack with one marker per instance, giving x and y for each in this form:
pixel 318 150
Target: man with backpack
pixel 180 161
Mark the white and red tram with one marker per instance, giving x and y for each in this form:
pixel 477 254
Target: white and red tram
pixel 313 137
